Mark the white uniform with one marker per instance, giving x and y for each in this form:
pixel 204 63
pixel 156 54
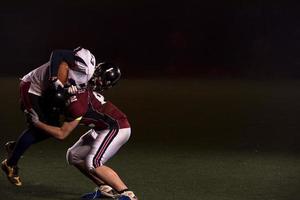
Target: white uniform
pixel 38 79
pixel 110 130
pixel 81 73
pixel 92 143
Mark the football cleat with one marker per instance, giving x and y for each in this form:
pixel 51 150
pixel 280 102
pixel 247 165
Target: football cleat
pixel 127 195
pixel 107 191
pixel 91 195
pixel 104 191
pixel 11 173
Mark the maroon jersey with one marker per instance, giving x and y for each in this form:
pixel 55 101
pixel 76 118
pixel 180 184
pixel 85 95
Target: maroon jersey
pixel 95 111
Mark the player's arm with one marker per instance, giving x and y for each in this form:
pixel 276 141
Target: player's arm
pixel 57 132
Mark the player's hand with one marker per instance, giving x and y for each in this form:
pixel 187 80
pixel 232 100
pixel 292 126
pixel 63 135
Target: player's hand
pixel 32 116
pixel 72 89
pixel 57 84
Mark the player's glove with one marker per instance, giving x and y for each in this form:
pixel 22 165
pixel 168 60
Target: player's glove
pixel 71 87
pixel 32 116
pixel 57 84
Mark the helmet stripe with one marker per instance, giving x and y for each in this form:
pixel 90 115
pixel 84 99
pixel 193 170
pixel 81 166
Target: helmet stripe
pixel 78 59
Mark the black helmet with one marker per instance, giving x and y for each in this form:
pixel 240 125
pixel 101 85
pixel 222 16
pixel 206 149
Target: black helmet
pixel 105 76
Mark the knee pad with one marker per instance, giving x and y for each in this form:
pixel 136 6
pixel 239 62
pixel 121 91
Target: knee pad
pixel 68 157
pixel 72 158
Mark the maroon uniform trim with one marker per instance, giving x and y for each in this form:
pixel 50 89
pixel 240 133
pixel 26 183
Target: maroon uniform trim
pixel 24 96
pixel 104 145
pixel 99 115
pixel 95 114
pixel 110 110
pixel 78 106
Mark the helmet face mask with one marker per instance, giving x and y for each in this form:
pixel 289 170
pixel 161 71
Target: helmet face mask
pixel 105 76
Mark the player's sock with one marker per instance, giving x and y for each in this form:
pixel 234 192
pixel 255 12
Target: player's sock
pixel 24 141
pixel 127 195
pixel 120 192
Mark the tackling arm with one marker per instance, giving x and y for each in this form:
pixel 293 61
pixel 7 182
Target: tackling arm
pixel 58 132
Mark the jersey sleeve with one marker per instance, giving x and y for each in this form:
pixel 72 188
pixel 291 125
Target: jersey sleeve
pixel 77 107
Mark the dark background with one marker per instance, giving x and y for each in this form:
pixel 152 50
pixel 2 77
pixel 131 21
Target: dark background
pixel 208 63
pixel 211 39
pixel 211 90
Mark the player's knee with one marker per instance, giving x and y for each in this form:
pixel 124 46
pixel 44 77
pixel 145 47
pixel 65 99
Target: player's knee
pixel 69 157
pixel 72 158
pixel 127 132
pixel 124 136
pixel 92 164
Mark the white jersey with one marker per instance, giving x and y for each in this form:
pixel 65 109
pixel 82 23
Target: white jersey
pixel 38 79
pixel 81 73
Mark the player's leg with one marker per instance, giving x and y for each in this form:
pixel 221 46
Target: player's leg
pixel 9 147
pixel 28 137
pixel 77 153
pixel 106 145
pixel 82 168
pixel 9 165
pixel 76 156
pixel 31 135
pixel 102 190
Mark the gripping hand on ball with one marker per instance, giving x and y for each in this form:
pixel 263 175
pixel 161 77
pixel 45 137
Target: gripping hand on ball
pixel 72 87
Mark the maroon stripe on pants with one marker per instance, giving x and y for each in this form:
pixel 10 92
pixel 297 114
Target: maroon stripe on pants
pixel 106 142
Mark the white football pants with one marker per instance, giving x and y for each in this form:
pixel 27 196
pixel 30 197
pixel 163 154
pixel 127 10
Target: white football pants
pixel 95 148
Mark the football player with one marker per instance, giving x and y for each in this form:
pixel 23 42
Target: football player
pixel 110 130
pixel 42 90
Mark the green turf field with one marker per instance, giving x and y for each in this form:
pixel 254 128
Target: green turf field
pixel 191 139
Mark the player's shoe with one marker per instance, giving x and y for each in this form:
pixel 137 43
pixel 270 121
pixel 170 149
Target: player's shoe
pixel 127 195
pixel 9 147
pixel 11 173
pixel 104 191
